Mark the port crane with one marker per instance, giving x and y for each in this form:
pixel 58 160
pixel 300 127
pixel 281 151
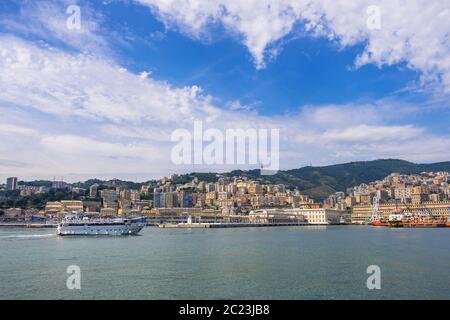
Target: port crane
pixel 375 207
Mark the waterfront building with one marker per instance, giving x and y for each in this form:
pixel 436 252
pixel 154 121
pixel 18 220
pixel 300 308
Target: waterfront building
pixel 275 216
pixel 32 214
pixel 108 211
pixel 14 213
pixel 59 207
pixel 362 213
pixel 53 208
pixel 315 216
pixel 72 205
pixel 321 215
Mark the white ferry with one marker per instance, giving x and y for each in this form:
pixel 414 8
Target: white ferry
pixel 73 225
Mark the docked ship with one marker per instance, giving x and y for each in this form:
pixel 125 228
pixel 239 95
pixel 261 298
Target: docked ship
pixel 378 221
pixel 396 219
pixel 74 225
pixel 424 223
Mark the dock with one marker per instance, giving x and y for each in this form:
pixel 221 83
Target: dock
pixel 28 225
pixel 230 225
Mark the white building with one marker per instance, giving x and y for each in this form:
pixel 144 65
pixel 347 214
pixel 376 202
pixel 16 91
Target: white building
pixel 311 216
pixel 321 215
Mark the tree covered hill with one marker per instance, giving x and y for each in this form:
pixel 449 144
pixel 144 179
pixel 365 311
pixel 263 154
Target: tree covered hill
pixel 318 182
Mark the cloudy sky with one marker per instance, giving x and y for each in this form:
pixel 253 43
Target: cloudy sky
pixel 102 100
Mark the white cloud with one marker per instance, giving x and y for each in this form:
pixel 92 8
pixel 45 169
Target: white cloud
pixel 47 21
pixel 11 129
pixel 71 112
pixel 416 32
pixel 77 84
pixel 362 133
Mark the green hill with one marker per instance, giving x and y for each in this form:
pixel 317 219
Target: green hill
pixel 318 182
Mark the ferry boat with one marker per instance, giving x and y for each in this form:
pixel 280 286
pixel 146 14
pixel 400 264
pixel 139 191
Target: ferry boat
pixel 396 219
pixel 73 225
pixel 378 221
pixel 424 223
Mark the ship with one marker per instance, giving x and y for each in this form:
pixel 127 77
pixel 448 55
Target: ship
pixel 396 219
pixel 424 223
pixel 75 225
pixel 379 223
pixel 408 219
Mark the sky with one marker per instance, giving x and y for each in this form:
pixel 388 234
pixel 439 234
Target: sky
pixel 341 81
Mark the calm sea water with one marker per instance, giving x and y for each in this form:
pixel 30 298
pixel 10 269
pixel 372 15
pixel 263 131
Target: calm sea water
pixel 242 263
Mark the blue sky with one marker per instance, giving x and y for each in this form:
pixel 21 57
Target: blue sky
pixel 90 102
pixel 307 71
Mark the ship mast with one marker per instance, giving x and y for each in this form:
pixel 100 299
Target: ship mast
pixel 375 206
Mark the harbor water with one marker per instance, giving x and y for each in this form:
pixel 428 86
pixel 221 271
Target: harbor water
pixel 299 262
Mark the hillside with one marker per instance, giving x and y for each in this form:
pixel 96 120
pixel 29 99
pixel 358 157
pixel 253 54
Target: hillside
pixel 319 182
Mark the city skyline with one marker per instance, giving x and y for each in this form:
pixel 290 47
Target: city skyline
pixel 102 100
pixel 424 193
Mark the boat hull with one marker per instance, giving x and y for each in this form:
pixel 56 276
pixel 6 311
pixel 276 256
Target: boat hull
pixel 424 225
pixel 378 223
pixel 396 224
pixel 91 230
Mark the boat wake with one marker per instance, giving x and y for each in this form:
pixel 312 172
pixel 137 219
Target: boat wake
pixel 27 236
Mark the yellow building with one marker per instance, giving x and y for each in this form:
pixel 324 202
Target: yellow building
pixel 59 207
pixel 53 207
pixel 108 211
pixel 362 213
pixel 72 205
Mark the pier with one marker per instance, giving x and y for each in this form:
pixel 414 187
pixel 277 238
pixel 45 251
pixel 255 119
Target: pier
pixel 28 225
pixel 230 225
